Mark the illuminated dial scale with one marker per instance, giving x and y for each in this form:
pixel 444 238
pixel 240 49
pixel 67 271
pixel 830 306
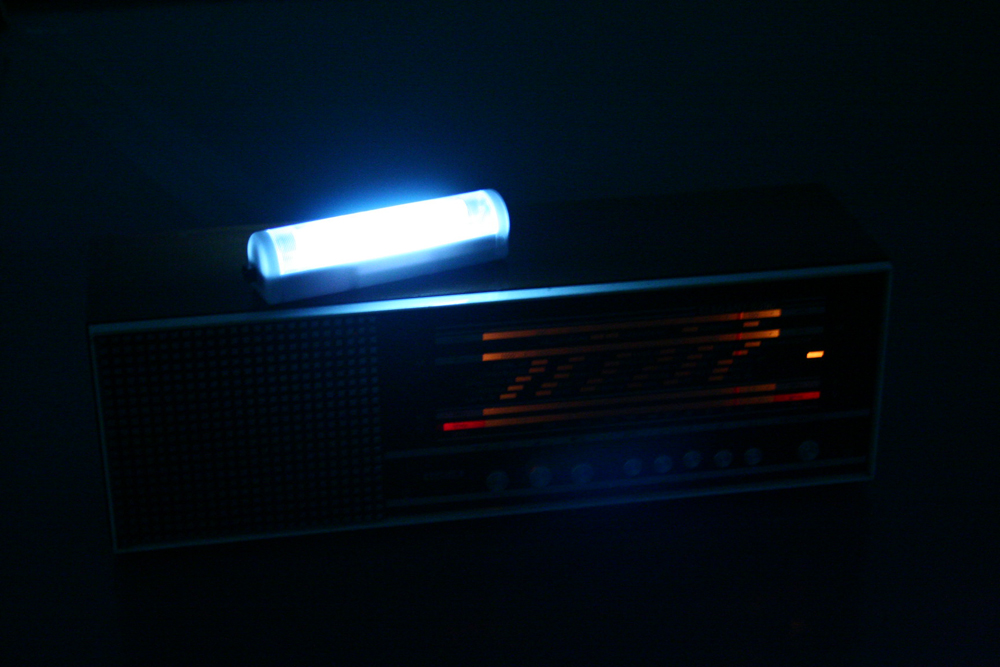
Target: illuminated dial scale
pixel 612 405
pixel 676 347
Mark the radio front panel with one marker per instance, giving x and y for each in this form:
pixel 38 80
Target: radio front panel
pixel 363 415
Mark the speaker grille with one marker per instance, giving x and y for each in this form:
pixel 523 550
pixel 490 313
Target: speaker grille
pixel 240 430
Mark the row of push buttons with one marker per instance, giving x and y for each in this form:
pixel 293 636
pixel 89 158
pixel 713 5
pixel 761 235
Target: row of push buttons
pixel 540 476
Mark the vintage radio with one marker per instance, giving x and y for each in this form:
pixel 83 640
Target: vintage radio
pixel 625 350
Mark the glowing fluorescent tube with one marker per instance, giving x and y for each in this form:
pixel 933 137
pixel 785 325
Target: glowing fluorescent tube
pixel 372 247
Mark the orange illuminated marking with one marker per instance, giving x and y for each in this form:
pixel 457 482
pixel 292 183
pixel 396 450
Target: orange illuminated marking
pixel 713 378
pixel 549 385
pixel 515 387
pixel 539 362
pixel 522 378
pixel 739 353
pixel 504 397
pixel 636 410
pixel 544 392
pixel 724 362
pixel 757 335
pixel 633 345
pixel 753 343
pixel 561 376
pixel 751 323
pixel 537 369
pixel 816 354
pixel 621 326
pixel 565 367
pixel 721 369
pixel 620 400
pixel 575 360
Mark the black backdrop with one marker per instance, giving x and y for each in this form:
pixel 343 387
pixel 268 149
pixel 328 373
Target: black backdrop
pixel 131 117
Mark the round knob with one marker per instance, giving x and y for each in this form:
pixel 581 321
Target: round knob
pixel 723 458
pixel 662 464
pixel 633 467
pixel 809 450
pixel 692 459
pixel 539 476
pixel 582 473
pixel 497 480
pixel 753 456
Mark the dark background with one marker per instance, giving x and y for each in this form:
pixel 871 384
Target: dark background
pixel 131 117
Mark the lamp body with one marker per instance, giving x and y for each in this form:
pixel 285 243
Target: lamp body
pixel 371 247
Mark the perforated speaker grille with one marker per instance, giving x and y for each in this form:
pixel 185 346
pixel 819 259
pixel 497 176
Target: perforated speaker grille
pixel 241 430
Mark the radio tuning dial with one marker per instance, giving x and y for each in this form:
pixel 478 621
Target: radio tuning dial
pixel 539 476
pixel 582 473
pixel 723 458
pixel 692 459
pixel 633 467
pixel 809 450
pixel 662 464
pixel 497 480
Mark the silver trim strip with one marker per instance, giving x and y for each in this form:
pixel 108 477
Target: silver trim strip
pixel 485 297
pixel 880 375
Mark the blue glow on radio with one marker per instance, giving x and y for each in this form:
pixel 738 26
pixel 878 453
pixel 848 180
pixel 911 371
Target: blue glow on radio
pixel 360 249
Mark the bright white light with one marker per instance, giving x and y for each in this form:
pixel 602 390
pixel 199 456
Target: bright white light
pixel 377 246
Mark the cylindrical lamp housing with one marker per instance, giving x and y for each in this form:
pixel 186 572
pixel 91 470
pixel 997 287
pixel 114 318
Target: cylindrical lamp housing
pixel 361 249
